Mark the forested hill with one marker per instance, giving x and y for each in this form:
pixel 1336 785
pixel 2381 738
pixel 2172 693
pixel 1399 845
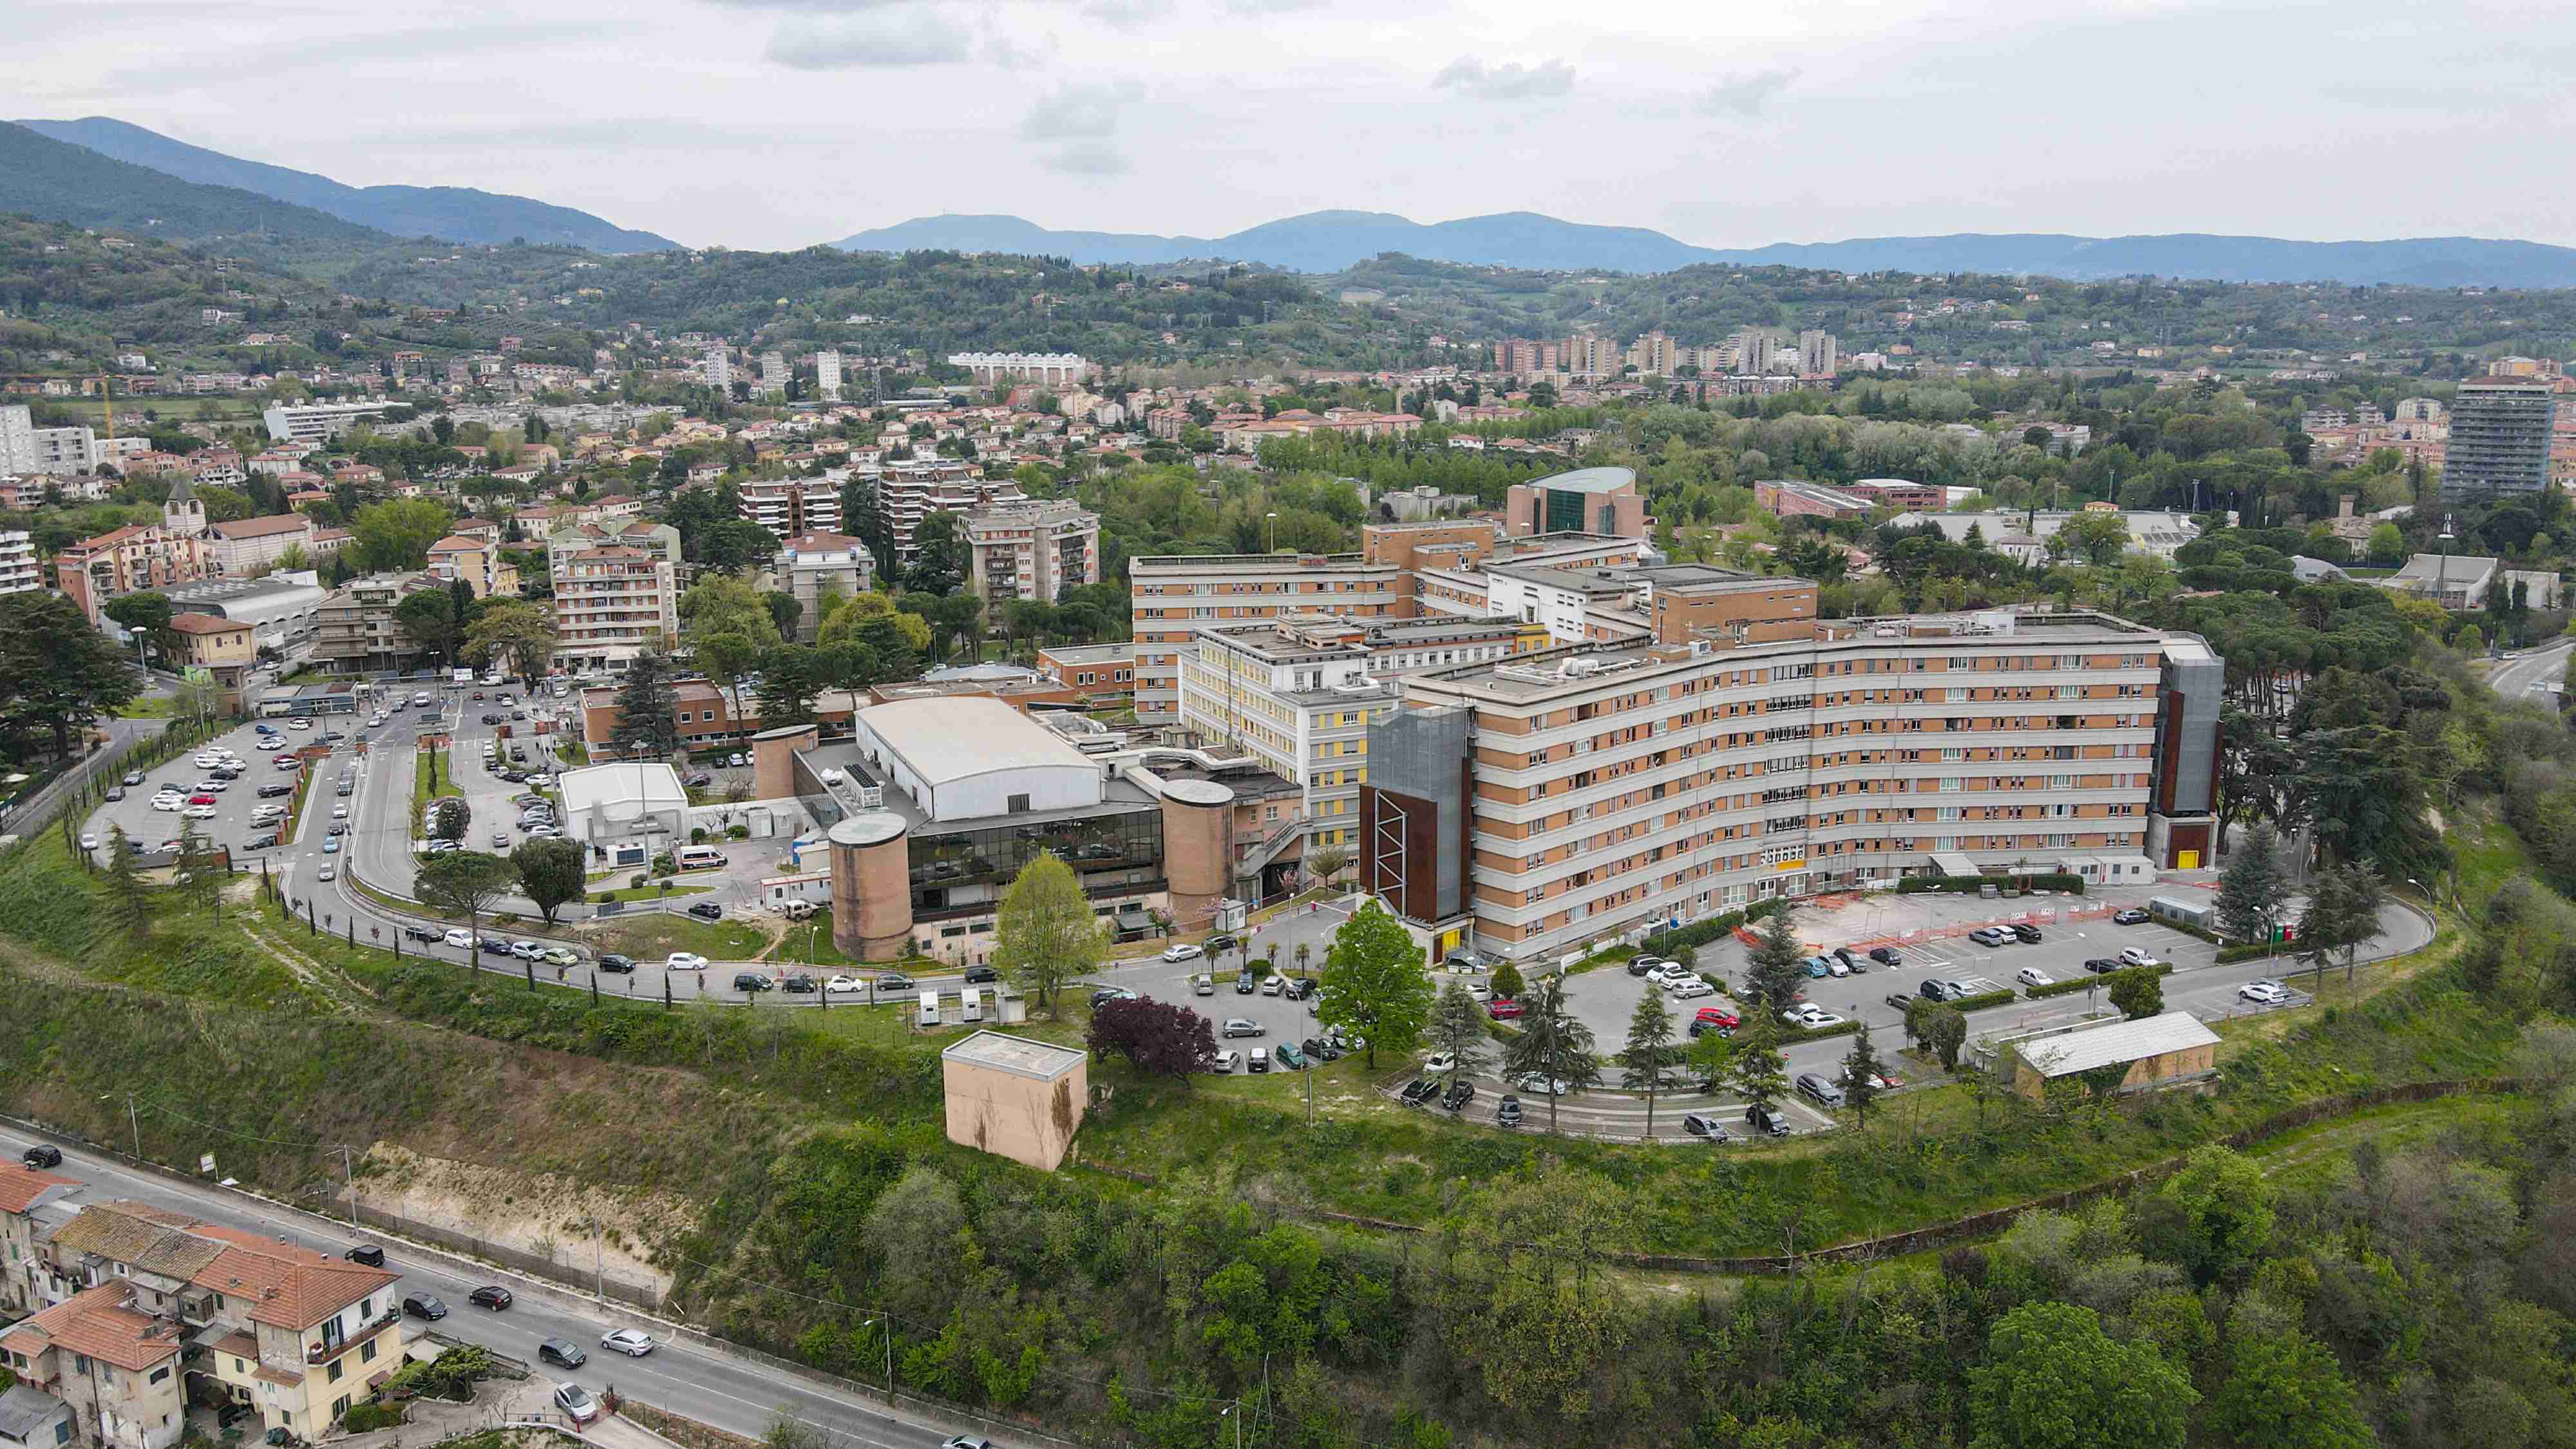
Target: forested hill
pixel 50 179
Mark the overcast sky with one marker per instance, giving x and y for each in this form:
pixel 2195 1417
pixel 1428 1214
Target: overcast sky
pixel 780 123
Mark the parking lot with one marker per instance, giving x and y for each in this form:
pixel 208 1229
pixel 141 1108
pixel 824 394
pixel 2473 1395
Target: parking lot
pixel 235 802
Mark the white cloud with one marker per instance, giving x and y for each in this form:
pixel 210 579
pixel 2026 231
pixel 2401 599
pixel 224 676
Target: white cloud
pixel 1510 81
pixel 907 35
pixel 1079 111
pixel 1745 95
pixel 1086 158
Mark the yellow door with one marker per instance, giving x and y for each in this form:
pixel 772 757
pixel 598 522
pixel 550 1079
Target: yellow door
pixel 2187 860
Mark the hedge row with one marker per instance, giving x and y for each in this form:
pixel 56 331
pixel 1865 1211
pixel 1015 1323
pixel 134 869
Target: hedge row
pixel 2244 951
pixel 2086 981
pixel 1715 928
pixel 1915 885
pixel 1981 1000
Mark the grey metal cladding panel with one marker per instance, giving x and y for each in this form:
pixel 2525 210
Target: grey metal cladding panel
pixel 1423 753
pixel 2202 684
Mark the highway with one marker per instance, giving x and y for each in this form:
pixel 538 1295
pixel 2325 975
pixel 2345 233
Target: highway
pixel 709 1385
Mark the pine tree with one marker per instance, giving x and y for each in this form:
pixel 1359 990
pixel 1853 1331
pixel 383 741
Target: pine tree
pixel 1553 1045
pixel 646 726
pixel 1756 1070
pixel 128 903
pixel 1650 1034
pixel 1861 1071
pixel 1777 963
pixel 1458 1029
pixel 2251 887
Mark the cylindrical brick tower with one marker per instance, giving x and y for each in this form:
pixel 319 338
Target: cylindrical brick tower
pixel 871 886
pixel 1198 849
pixel 773 760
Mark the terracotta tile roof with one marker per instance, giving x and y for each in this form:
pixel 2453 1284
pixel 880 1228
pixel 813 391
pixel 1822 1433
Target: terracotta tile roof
pixel 263 527
pixel 137 1233
pixel 20 1186
pixel 284 1285
pixel 97 1322
pixel 207 624
pixel 457 543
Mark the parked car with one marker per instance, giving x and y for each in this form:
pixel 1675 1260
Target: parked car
pixel 897 981
pixel 1814 966
pixel 1226 1062
pixel 575 1403
pixel 1300 987
pixel 1538 1084
pixel 1822 1090
pixel 424 1305
pixel 275 791
pixel 845 986
pixel 1770 1124
pixel 1507 1112
pixel 2130 916
pixel 2033 976
pixel 1183 951
pixel 496 946
pixel 1718 1016
pixel 752 981
pixel 2098 965
pixel 1701 1124
pixel 707 911
pixel 685 961
pixel 1502 1008
pixel 2026 933
pixel 1242 1026
pixel 1689 988
pixel 1419 1091
pixel 368 1253
pixel 1219 945
pixel 1990 935
pixel 1321 1050
pixel 1856 965
pixel 617 965
pixel 982 973
pixel 1901 1001
pixel 2264 993
pixel 1460 1093
pixel 1258 1061
pixel 1934 990
pixel 459 936
pixel 632 1342
pixel 562 1352
pixel 1291 1058
pixel 41 1156
pixel 798 985
pixel 492 1296
pixel 2138 956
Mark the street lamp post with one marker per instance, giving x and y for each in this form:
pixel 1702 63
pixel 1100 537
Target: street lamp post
pixel 888 1321
pixel 1272 540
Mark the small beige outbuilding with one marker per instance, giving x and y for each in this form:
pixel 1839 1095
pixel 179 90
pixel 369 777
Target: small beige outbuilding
pixel 1015 1097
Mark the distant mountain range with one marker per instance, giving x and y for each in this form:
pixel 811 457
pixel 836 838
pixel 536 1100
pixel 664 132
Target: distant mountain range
pixel 450 213
pixel 57 181
pixel 1329 241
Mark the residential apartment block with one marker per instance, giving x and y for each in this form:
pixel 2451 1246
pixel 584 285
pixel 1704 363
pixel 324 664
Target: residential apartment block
pixel 910 492
pixel 1543 804
pixel 1298 696
pixel 318 422
pixel 355 628
pixel 816 567
pixel 2500 438
pixel 135 557
pixel 18 572
pixel 612 604
pixel 1174 597
pixel 788 506
pixel 294 1334
pixel 1031 550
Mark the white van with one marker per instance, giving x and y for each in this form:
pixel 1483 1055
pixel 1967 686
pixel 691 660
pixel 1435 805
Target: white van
pixel 929 1009
pixel 970 1005
pixel 698 857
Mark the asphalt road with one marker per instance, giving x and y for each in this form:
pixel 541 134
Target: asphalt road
pixel 2513 678
pixel 707 1385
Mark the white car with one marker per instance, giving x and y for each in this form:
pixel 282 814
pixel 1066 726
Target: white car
pixel 208 760
pixel 1689 988
pixel 328 871
pixel 271 742
pixel 459 936
pixel 198 812
pixel 169 802
pixel 1439 1063
pixel 632 1342
pixel 1227 1063
pixel 1803 1014
pixel 1668 972
pixel 685 961
pixel 1182 951
pixel 1539 1086
pixel 299 724
pixel 2138 956
pixel 526 950
pixel 1479 991
pixel 845 985
pixel 2264 993
pixel 1816 1020
pixel 2033 976
pixel 89 842
pixel 339 812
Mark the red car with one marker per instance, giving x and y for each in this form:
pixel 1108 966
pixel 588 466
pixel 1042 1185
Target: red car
pixel 1502 1008
pixel 1720 1016
pixel 201 798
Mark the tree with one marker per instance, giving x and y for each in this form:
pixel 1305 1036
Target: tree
pixel 396 534
pixel 2251 888
pixel 792 678
pixel 146 614
pixel 2052 1379
pixel 465 882
pixel 451 818
pixel 734 544
pixel 1507 983
pixel 514 635
pixel 1776 965
pixel 728 627
pixel 1650 1035
pixel 2285 1391
pixel 550 873
pixel 57 674
pixel 2098 538
pixel 1326 861
pixel 2343 915
pixel 430 621
pixel 1940 1026
pixel 1756 1069
pixel 938 555
pixel 2224 1212
pixel 1374 984
pixel 129 902
pixel 1517 1304
pixel 646 726
pixel 2138 992
pixel 1045 934
pixel 1861 1071
pixel 1553 1045
pixel 1158 1038
pixel 1457 1029
pixel 200 875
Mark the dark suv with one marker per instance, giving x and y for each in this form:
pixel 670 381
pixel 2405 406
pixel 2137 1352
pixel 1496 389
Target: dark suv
pixel 621 965
pixel 752 981
pixel 2027 934
pixel 43 1155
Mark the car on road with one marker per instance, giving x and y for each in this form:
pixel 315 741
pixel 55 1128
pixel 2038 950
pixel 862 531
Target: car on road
pixel 272 743
pixel 1183 951
pixel 2130 916
pixel 328 872
pixel 2264 993
pixel 492 1296
pixel 2026 933
pixel 1701 1124
pixel 459 936
pixel 632 1342
pixel 685 961
pixel 1243 1026
pixel 752 981
pixel 897 981
pixel 1419 1091
pixel 967 1441
pixel 42 1156
pixel 1990 936
pixel 500 840
pixel 1203 985
pixel 423 1305
pixel 116 792
pixel 837 986
pixel 1460 1093
pixel 331 845
pixel 89 842
pixel 2138 956
pixel 2099 965
pixel 575 1403
pixel 976 974
pixel 134 777
pixel 369 1254
pixel 707 911
pixel 1507 1112
pixel 1538 1084
pixel 1820 1089
pixel 1258 1061
pixel 563 1352
pixel 1502 1008
pixel 2033 976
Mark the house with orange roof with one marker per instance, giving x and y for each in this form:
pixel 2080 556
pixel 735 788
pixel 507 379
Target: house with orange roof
pixel 25 1191
pixel 112 1365
pixel 295 1334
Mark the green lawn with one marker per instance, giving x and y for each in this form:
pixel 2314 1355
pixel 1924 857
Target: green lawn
pixel 661 934
pixel 811 941
pixel 149 706
pixel 647 892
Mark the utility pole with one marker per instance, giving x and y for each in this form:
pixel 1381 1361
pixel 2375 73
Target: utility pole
pixel 598 1266
pixel 134 1120
pixel 349 1183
